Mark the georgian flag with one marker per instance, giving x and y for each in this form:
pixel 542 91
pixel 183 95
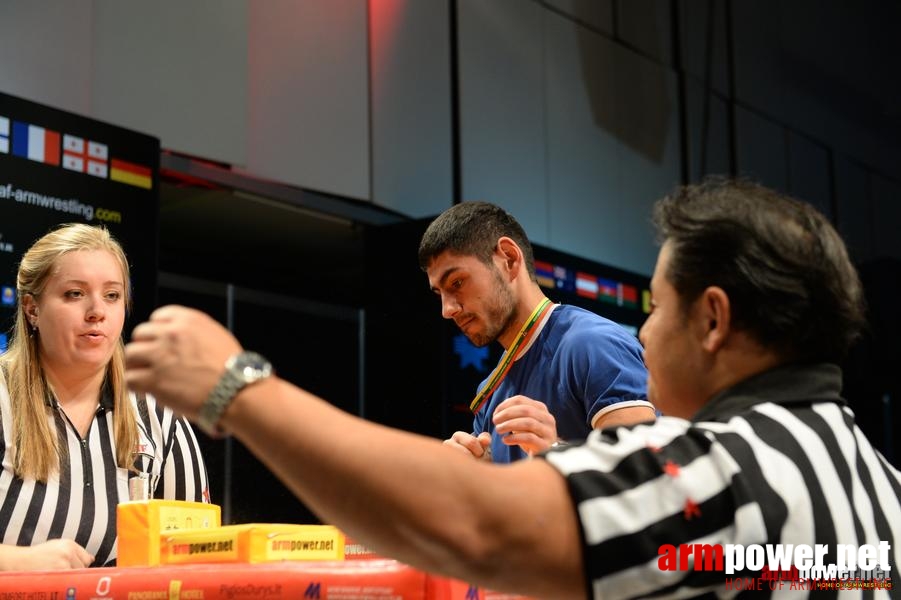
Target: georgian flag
pixel 85 156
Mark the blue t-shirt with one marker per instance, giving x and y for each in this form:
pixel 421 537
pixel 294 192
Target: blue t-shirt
pixel 579 365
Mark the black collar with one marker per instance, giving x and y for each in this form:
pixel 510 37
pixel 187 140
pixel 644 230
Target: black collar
pixel 785 385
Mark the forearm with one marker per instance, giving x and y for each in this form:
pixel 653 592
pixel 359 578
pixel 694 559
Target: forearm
pixel 9 557
pixel 413 498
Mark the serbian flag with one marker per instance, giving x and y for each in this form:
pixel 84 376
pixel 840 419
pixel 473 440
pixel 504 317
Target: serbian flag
pixel 85 156
pixel 4 135
pixel 130 173
pixel 607 289
pixel 544 273
pixel 586 285
pixel 35 143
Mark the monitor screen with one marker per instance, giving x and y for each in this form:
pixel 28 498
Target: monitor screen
pixel 58 167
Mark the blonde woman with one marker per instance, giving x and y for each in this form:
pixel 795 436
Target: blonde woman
pixel 72 434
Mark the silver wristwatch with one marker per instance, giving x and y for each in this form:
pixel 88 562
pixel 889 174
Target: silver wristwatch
pixel 241 370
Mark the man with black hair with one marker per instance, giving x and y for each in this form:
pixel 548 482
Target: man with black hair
pixel 564 371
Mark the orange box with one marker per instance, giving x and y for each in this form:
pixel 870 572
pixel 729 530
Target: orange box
pixel 252 543
pixel 140 523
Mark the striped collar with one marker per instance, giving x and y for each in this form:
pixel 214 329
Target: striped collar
pixel 785 385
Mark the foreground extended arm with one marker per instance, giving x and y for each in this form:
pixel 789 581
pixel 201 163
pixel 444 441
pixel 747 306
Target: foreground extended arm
pixel 410 497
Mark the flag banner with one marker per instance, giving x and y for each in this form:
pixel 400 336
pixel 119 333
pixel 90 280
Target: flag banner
pixel 544 273
pixel 586 285
pixel 565 279
pixel 608 290
pixel 4 135
pixel 84 157
pixel 130 173
pixel 627 295
pixel 35 143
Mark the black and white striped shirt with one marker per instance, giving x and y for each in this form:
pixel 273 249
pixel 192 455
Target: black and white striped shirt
pixel 79 502
pixel 777 459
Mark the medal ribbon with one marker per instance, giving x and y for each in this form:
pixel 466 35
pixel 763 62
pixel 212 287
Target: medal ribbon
pixel 500 371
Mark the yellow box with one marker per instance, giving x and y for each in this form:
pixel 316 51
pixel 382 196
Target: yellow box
pixel 252 543
pixel 139 525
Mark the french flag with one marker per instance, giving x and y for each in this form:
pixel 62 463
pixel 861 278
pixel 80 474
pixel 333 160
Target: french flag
pixel 36 143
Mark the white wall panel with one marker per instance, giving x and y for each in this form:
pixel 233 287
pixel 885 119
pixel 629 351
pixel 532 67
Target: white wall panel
pixel 308 94
pixel 887 216
pixel 646 25
pixel 708 132
pixel 809 173
pixel 175 70
pixel 502 103
pixel 45 52
pixel 612 146
pixel 412 163
pixel 762 153
pixel 854 218
pixel 702 26
pixel 597 14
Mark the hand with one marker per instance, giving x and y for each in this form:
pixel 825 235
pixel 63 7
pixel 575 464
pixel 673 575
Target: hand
pixel 178 356
pixel 527 423
pixel 479 447
pixel 54 555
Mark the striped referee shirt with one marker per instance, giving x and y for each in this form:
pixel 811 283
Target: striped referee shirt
pixel 79 502
pixel 777 459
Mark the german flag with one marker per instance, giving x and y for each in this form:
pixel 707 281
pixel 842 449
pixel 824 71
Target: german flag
pixel 130 173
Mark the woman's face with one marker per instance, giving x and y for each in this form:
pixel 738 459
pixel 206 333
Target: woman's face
pixel 81 312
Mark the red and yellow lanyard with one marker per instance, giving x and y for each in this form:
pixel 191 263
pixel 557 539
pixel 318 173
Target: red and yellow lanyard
pixel 500 371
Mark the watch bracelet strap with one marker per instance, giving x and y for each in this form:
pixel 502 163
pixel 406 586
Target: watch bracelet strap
pixel 219 399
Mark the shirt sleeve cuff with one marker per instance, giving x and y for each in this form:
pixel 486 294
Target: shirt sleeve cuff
pixel 618 405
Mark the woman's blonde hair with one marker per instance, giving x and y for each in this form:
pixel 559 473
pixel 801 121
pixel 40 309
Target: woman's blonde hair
pixel 36 451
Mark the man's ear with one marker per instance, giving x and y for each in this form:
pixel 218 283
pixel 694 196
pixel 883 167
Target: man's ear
pixel 714 317
pixel 510 254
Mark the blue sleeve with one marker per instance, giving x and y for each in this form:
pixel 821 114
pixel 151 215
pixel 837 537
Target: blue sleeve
pixel 603 367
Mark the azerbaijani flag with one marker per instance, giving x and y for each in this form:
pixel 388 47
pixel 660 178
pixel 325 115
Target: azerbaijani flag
pixel 4 135
pixel 607 289
pixel 130 173
pixel 36 143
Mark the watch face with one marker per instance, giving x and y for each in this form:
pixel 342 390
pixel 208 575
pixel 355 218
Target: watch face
pixel 251 366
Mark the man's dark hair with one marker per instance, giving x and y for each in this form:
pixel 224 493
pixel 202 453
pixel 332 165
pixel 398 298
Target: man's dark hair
pixel 786 271
pixel 473 229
